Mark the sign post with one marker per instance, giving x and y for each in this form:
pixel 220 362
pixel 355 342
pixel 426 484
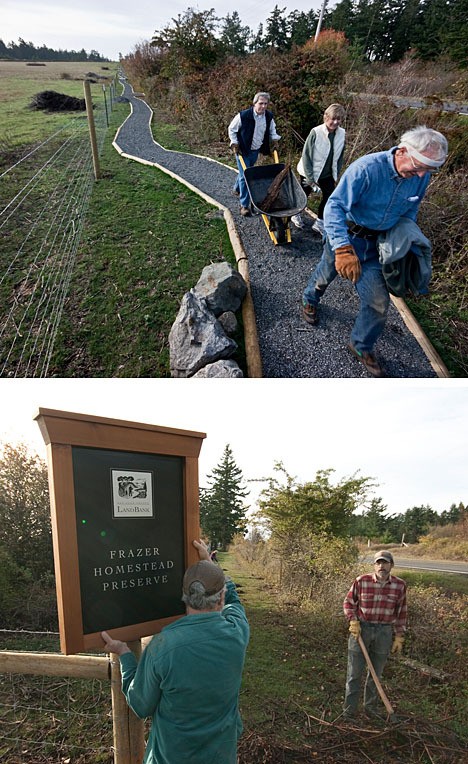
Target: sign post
pixel 124 505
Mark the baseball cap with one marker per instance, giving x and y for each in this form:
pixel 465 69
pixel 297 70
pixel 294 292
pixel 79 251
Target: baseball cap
pixel 384 555
pixel 208 574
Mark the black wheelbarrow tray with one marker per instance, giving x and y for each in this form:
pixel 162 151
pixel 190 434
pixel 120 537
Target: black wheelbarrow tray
pixel 290 201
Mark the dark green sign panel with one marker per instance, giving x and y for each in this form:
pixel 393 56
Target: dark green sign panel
pixel 130 530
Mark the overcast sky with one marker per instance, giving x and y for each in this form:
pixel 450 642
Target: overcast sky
pixel 411 436
pixel 116 26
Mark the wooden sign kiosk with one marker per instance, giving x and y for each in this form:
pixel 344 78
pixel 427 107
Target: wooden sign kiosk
pixel 124 504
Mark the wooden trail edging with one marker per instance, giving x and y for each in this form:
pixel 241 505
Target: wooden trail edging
pixel 128 729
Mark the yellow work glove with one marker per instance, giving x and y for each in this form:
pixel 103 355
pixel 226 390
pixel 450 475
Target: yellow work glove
pixel 234 147
pixel 398 643
pixel 347 263
pixel 355 629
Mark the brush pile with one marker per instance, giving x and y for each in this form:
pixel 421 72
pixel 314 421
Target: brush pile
pixel 50 100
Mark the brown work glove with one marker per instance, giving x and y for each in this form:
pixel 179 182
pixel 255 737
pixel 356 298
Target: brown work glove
pixel 347 263
pixel 234 147
pixel 274 146
pixel 355 629
pixel 398 643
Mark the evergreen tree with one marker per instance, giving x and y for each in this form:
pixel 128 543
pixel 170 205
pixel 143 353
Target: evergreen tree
pixel 302 27
pixel 276 32
pixel 234 36
pixel 222 510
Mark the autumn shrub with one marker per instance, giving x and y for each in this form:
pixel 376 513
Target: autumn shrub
pixel 410 77
pixel 428 608
pixel 311 568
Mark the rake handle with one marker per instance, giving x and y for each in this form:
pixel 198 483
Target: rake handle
pixel 376 679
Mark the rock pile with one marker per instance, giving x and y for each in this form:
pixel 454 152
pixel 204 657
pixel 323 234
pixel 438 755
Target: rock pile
pixel 200 344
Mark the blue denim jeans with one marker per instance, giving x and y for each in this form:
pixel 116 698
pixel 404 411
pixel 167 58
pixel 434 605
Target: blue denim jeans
pixel 240 184
pixel 371 288
pixel 378 641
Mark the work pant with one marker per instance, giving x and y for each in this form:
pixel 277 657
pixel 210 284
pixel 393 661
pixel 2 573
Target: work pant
pixel 378 641
pixel 240 184
pixel 326 185
pixel 371 288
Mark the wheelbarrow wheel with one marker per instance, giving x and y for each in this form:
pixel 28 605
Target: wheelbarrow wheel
pixel 280 231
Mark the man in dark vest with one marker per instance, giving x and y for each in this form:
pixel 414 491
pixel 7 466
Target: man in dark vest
pixel 251 133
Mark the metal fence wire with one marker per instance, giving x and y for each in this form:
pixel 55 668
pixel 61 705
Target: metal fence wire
pixel 44 196
pixel 50 719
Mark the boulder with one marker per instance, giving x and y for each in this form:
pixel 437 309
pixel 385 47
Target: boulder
pixel 222 287
pixel 223 368
pixel 229 322
pixel 196 338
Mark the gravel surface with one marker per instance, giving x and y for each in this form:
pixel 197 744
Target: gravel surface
pixel 278 273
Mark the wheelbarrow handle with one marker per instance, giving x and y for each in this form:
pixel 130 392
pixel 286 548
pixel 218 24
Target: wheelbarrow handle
pixel 243 165
pixel 376 679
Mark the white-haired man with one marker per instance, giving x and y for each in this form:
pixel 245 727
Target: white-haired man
pixel 251 132
pixel 374 194
pixel 376 610
pixel 188 678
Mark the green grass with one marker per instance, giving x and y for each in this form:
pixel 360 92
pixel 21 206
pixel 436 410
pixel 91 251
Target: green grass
pixel 450 583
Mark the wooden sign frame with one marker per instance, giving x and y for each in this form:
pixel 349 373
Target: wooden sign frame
pixel 66 432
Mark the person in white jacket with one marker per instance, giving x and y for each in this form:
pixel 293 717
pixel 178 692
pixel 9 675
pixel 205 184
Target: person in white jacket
pixel 322 159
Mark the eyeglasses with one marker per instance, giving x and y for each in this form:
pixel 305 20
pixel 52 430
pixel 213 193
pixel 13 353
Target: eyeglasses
pixel 418 168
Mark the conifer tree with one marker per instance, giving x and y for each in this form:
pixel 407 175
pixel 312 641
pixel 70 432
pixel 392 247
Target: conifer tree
pixel 222 509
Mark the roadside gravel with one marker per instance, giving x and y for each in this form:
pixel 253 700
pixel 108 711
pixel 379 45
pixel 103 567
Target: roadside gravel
pixel 278 274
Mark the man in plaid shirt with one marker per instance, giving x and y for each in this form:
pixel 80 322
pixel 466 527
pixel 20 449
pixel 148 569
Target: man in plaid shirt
pixel 375 607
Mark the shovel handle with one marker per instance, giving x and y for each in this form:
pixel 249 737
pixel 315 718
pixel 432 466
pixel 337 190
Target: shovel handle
pixel 376 679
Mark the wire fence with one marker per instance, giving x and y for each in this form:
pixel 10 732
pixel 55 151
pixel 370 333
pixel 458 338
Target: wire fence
pixel 44 196
pixel 48 720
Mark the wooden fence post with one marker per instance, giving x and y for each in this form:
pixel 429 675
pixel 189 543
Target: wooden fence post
pixel 129 737
pixel 92 128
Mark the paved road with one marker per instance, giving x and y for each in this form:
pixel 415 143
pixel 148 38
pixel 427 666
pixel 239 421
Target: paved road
pixel 442 566
pixel 278 275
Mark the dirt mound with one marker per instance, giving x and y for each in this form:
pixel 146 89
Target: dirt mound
pixel 50 100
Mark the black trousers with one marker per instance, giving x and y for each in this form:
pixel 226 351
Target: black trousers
pixel 326 185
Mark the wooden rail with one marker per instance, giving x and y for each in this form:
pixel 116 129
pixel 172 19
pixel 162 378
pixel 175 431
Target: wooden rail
pixel 128 729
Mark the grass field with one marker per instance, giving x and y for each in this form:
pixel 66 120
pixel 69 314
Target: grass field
pixel 19 82
pixel 145 242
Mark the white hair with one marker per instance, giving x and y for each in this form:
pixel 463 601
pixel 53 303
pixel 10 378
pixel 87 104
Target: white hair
pixel 426 141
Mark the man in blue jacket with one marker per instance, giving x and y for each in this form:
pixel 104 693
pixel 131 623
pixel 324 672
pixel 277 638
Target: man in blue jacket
pixel 251 132
pixel 188 677
pixel 374 193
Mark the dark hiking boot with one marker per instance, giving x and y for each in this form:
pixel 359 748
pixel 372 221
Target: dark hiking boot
pixel 368 360
pixel 310 314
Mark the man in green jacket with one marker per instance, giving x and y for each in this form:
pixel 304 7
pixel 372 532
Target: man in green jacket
pixel 189 676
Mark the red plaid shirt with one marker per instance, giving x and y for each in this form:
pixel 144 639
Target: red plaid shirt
pixel 368 600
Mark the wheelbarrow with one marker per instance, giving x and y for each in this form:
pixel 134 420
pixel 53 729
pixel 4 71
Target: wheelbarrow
pixel 290 201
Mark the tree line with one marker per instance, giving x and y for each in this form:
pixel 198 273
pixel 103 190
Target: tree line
pixel 27 51
pixel 288 509
pixel 378 30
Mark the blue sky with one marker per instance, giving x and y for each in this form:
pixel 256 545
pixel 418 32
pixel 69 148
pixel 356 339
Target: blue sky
pixel 410 435
pixel 115 26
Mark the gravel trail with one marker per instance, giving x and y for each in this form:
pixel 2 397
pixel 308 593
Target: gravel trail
pixel 278 274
